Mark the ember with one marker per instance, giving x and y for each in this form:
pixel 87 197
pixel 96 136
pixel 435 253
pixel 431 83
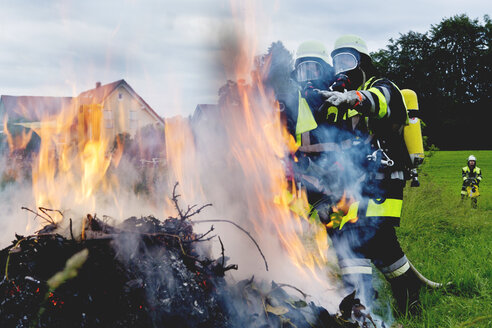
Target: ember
pixel 143 272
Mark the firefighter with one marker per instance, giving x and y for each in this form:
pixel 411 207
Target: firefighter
pixel 373 238
pixel 313 167
pixel 472 175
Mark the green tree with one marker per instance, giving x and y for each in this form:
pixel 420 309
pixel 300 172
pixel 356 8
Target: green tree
pixel 449 68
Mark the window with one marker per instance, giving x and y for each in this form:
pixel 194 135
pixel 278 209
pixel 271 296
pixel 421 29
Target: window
pixel 108 119
pixel 120 96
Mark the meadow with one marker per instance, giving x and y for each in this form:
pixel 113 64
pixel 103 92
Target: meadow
pixel 448 241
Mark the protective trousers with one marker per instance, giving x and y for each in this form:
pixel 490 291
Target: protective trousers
pixel 374 240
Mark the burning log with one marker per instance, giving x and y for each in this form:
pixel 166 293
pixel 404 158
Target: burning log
pixel 143 272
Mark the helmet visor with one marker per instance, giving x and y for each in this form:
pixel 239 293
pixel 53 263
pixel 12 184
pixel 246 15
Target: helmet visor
pixel 344 62
pixel 309 71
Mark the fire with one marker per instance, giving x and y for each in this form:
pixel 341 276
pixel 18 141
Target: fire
pixel 181 155
pixel 18 142
pixel 344 211
pixel 260 146
pixel 70 167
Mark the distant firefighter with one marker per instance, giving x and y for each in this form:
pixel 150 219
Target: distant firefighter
pixel 472 175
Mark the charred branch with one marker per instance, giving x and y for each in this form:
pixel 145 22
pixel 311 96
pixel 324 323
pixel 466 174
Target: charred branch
pixel 243 230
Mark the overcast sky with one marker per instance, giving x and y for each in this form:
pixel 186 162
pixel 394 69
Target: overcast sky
pixel 169 51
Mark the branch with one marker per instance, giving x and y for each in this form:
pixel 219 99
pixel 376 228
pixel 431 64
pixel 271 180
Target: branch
pixel 243 230
pixel 45 210
pixel 175 200
pixel 223 255
pixel 49 220
pixel 293 287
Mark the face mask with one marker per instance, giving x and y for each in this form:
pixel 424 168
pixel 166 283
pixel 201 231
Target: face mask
pixel 344 62
pixel 309 71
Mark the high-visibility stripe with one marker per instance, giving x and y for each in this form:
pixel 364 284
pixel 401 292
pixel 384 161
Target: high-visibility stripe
pixel 398 272
pixel 383 105
pixel 395 265
pixel 357 270
pixel 350 262
pixel 390 207
pixel 351 214
pixel 305 118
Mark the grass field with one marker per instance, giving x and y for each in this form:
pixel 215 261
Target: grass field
pixel 448 241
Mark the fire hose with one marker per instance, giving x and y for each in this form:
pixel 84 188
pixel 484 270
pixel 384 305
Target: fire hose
pixel 429 283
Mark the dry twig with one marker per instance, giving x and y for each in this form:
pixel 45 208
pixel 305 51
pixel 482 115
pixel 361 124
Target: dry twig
pixel 243 230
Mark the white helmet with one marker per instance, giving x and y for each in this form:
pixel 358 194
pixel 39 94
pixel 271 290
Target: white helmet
pixel 472 158
pixel 312 61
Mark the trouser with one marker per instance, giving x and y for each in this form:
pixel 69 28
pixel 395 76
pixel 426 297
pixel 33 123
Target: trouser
pixel 374 240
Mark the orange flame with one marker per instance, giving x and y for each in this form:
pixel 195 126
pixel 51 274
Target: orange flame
pixel 73 158
pixel 260 145
pixel 17 142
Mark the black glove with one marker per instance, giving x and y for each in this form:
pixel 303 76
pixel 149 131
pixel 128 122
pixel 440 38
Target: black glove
pixel 341 83
pixel 324 212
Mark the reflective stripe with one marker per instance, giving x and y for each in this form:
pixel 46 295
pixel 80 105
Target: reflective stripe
pixel 397 175
pixel 387 94
pixel 351 214
pixel 332 110
pixel 395 265
pixel 383 105
pixel 367 95
pixel 318 148
pixel 398 272
pixel 354 262
pixel 390 207
pixel 305 119
pixel 357 270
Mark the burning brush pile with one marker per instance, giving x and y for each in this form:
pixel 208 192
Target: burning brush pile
pixel 143 272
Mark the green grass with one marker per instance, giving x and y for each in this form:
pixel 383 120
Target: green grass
pixel 448 241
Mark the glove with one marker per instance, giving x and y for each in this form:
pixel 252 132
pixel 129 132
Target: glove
pixel 341 84
pixel 350 98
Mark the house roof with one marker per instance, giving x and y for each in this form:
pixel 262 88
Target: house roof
pixel 100 93
pixel 205 111
pixel 33 108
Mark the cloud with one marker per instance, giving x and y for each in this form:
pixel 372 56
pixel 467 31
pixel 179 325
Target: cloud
pixel 53 48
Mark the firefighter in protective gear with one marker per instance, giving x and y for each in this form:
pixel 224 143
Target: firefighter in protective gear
pixel 321 166
pixel 373 238
pixel 472 176
pixel 312 71
pixel 313 167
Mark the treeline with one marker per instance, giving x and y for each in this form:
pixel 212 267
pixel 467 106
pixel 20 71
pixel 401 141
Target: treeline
pixel 450 68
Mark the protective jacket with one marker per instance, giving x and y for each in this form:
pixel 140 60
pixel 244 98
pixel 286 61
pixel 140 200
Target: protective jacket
pixel 474 174
pixel 386 113
pixel 321 145
pixel 373 238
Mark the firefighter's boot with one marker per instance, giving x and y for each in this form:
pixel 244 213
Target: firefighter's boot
pixel 406 290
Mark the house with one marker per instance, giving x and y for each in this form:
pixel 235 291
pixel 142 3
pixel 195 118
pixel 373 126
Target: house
pixel 123 110
pixel 118 106
pixel 205 113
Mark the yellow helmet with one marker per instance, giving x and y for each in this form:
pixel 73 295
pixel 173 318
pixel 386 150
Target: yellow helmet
pixel 314 49
pixel 351 41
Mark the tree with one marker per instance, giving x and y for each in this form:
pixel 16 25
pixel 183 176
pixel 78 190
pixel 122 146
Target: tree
pixel 449 68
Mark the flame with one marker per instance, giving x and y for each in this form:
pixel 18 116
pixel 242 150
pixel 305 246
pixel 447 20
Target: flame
pixel 260 145
pixel 73 159
pixel 17 142
pixel 344 211
pixel 181 155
